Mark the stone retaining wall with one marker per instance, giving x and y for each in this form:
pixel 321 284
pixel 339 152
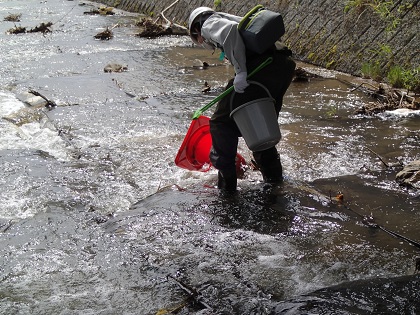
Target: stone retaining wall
pixel 323 32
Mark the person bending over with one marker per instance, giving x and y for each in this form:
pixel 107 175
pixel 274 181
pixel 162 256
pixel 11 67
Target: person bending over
pixel 212 30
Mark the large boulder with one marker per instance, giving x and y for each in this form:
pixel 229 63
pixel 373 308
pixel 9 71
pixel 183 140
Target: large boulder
pixel 410 175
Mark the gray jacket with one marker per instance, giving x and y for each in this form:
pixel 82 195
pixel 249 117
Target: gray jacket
pixel 221 30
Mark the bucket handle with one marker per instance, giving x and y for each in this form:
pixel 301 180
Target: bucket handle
pixel 250 82
pixel 200 111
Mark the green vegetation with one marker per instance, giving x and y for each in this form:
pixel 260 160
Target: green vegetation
pixel 217 5
pixel 330 64
pixel 312 57
pixel 403 78
pixel 396 75
pixel 383 8
pixel 332 111
pixel 372 70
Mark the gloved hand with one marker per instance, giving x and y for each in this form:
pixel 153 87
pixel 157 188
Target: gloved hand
pixel 239 83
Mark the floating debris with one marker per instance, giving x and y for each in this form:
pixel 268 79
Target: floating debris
pixel 151 29
pixel 101 11
pixel 206 88
pixel 13 17
pixel 17 30
pixel 42 28
pixel 386 99
pixel 105 35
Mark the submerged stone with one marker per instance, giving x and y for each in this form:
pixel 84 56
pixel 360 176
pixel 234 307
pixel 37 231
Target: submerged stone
pixel 410 175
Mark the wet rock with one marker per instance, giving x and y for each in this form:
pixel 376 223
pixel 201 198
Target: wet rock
pixel 398 294
pixel 26 115
pixel 410 175
pixel 115 67
pixel 37 105
pixel 32 100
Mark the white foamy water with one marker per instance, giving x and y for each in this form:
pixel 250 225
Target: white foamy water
pixel 94 213
pixel 37 135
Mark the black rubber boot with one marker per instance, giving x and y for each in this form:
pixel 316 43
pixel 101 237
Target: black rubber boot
pixel 269 164
pixel 227 180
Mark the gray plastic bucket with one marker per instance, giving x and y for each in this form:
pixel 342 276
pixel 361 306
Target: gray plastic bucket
pixel 257 122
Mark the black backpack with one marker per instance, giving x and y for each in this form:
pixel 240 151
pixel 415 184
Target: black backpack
pixel 260 29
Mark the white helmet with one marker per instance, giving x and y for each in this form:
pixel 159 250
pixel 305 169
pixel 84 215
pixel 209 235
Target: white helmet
pixel 198 15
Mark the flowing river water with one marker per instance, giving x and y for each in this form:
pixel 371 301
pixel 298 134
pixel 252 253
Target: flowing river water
pixel 95 215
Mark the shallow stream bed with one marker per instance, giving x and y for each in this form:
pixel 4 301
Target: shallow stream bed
pixel 94 213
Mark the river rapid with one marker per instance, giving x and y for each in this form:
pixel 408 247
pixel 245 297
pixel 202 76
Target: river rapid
pixel 96 218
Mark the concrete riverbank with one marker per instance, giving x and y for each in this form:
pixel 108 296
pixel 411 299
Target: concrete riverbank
pixel 343 35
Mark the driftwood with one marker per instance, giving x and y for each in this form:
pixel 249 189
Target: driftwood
pixel 194 298
pixel 385 99
pixel 154 29
pixel 150 29
pixel 175 28
pixel 378 156
pixel 50 104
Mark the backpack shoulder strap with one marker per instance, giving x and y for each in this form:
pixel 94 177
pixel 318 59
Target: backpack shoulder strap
pixel 242 24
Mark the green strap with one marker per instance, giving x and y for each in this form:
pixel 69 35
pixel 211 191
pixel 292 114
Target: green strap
pixel 248 17
pixel 200 111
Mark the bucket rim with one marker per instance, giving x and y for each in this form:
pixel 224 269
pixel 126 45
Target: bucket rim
pixel 270 99
pixel 255 83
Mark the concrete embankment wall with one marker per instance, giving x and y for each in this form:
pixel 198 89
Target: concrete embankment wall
pixel 344 35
